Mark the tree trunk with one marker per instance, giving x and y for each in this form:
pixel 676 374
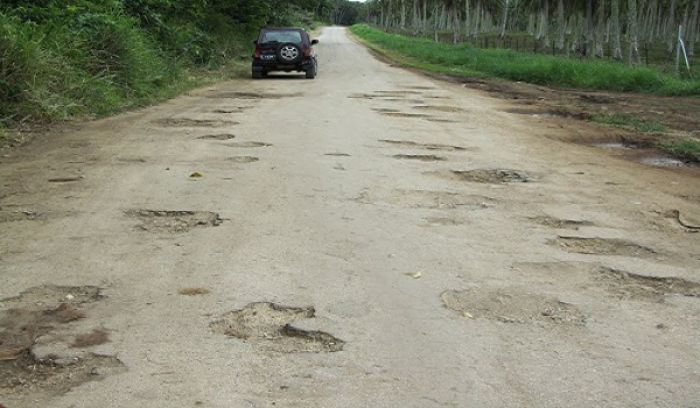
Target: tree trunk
pixel 504 23
pixel 693 29
pixel 561 26
pixel 632 31
pixel 600 30
pixel 616 29
pixel 403 14
pixel 588 49
pixel 671 28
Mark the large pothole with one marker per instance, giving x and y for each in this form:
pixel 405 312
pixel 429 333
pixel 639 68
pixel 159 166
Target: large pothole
pixel 249 144
pixel 218 136
pixel 491 176
pixel 268 325
pixel 602 246
pixel 559 223
pixel 174 221
pixel 511 306
pixel 631 285
pixel 188 123
pixel 426 146
pixel 29 380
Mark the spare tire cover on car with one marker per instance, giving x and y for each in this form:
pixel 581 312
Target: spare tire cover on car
pixel 289 53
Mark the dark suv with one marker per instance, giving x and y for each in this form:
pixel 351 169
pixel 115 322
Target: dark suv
pixel 284 49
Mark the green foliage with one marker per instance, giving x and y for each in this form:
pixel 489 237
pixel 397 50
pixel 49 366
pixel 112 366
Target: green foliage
pixel 466 60
pixel 630 122
pixel 62 58
pixel 688 149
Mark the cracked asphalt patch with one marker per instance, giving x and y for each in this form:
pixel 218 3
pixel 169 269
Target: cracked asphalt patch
pixel 269 326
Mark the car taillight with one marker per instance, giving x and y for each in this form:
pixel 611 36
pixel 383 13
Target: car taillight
pixel 307 51
pixel 258 52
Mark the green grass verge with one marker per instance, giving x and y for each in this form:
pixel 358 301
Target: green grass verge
pixel 629 122
pixel 466 60
pixel 688 149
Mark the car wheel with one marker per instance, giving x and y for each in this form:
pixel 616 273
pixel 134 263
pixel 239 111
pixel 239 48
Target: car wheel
pixel 312 72
pixel 289 53
pixel 258 74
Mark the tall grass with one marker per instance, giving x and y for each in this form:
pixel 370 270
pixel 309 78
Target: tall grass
pixel 466 60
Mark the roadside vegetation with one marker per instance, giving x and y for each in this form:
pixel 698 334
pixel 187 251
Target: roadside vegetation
pixel 629 122
pixel 61 59
pixel 463 59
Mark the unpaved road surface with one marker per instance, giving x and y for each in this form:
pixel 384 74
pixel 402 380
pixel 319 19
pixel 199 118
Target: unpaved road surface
pixel 369 239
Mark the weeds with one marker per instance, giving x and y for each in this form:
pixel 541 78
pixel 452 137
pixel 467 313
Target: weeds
pixel 629 122
pixel 687 149
pixel 466 60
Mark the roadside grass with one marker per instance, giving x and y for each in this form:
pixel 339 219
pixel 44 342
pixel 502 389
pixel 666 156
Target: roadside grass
pixel 687 149
pixel 465 60
pixel 629 122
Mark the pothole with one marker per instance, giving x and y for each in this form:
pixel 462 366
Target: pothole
pixel 420 157
pixel 174 221
pixel 242 159
pixel 553 222
pixel 219 136
pixel 492 176
pixel 427 146
pixel 631 285
pixel 251 95
pixel 406 115
pixel 13 216
pixel 428 199
pixel 661 161
pixel 183 122
pixel 337 154
pixel 268 325
pixel 443 221
pixel 551 112
pixel 27 380
pixel 249 144
pixel 602 246
pixel 439 108
pixel 511 306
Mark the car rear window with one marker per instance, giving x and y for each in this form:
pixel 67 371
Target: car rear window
pixel 282 36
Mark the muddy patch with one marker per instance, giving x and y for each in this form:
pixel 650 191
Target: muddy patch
pixel 426 146
pixel 246 145
pixel 174 221
pixel 550 113
pixel 268 325
pixel 420 157
pixel 511 306
pixel 251 95
pixel 188 123
pixel 602 246
pixel 490 176
pixel 559 223
pixel 641 287
pixel 242 159
pixel 28 380
pixel 219 136
pixel 427 199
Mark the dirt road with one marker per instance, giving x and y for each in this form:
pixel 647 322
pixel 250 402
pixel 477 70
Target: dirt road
pixel 369 239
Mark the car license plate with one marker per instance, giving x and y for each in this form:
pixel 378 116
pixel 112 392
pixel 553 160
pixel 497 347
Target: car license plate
pixel 268 57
